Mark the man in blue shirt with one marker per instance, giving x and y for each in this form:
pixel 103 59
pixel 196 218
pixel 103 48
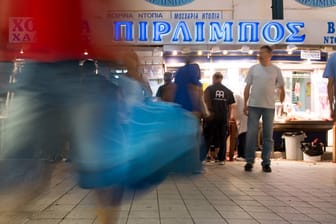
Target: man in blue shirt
pixel 330 73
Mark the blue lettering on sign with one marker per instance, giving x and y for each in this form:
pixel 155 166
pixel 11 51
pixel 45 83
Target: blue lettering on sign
pixel 199 32
pixel 123 31
pixel 331 27
pixel 294 30
pixel 183 30
pixel 248 32
pixel 143 33
pixel 331 30
pixel 329 40
pixel 160 29
pixel 273 32
pixel 318 3
pixel 219 32
pixel 173 3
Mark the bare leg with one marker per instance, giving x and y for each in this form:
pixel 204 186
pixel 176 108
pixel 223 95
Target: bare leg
pixel 108 204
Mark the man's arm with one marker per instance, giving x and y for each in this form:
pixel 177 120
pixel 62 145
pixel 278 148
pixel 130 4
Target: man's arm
pixel 282 94
pixel 207 99
pixel 330 89
pixel 246 97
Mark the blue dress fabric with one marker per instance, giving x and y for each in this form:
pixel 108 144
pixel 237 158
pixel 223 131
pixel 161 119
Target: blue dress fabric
pixel 131 140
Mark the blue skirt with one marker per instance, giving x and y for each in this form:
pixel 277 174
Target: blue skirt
pixel 134 142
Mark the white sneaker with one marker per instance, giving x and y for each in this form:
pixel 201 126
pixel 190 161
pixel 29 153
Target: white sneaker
pixel 221 163
pixel 240 159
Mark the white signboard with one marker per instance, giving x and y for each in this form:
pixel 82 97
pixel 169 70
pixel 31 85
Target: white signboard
pixel 311 54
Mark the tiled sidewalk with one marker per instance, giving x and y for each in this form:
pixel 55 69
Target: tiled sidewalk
pixel 295 192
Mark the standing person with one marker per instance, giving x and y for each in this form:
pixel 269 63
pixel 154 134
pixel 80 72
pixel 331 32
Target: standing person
pixel 259 102
pixel 218 99
pixel 189 92
pixel 233 134
pixel 330 74
pixel 189 95
pixel 241 122
pixel 166 92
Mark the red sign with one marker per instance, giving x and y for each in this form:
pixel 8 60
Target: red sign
pixel 21 30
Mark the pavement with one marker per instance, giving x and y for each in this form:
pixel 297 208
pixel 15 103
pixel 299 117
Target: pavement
pixel 296 192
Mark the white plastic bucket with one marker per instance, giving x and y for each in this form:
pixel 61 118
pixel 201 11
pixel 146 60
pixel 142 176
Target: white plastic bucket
pixel 308 158
pixel 293 145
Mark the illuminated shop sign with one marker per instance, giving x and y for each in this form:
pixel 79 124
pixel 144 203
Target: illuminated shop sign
pixel 209 32
pixel 159 28
pixel 317 3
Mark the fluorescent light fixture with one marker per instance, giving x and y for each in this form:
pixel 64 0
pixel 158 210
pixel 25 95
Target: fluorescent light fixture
pixel 245 49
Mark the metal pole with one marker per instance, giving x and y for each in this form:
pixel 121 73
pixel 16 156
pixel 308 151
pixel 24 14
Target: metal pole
pixel 277 9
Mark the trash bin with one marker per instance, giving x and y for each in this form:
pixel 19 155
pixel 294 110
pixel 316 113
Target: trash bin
pixel 293 144
pixel 312 151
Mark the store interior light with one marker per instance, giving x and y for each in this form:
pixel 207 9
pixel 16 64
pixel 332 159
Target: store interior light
pixel 157 52
pixel 290 48
pixel 245 49
pixel 308 62
pixel 225 52
pixel 199 53
pixel 327 49
pixel 215 49
pixel 174 53
pixel 21 51
pixel 86 53
pixel 186 50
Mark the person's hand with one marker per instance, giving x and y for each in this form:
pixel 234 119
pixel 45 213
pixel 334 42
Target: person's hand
pixel 246 110
pixel 332 115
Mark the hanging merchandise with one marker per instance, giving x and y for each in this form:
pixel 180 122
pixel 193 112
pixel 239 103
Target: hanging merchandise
pixel 297 89
pixel 308 88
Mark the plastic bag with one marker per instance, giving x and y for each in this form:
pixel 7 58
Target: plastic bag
pixel 314 148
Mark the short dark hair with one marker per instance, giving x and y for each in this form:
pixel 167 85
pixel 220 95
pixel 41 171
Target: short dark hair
pixel 218 75
pixel 168 76
pixel 267 48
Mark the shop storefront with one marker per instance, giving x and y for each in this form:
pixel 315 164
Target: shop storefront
pixel 218 43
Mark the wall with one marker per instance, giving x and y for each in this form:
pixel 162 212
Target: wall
pixel 235 9
pixel 294 10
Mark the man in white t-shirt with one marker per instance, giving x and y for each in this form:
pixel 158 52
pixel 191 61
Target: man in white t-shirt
pixel 259 102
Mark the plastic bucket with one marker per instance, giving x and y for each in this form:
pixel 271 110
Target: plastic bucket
pixel 293 145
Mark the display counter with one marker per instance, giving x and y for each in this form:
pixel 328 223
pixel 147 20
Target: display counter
pixel 303 125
